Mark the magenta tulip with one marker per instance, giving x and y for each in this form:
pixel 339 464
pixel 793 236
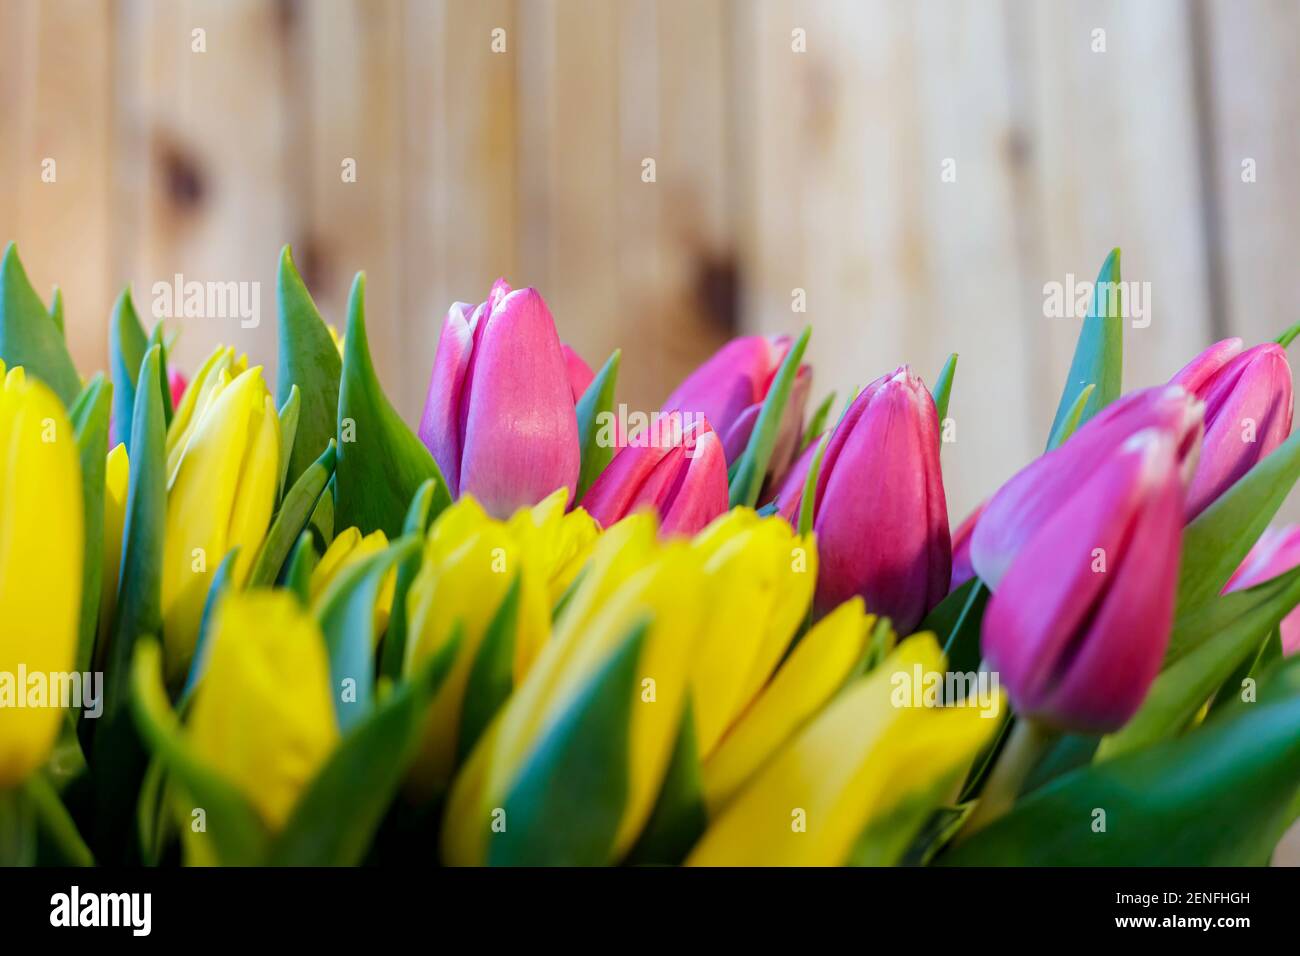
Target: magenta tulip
pixel 177 383
pixel 1078 627
pixel 1026 502
pixel 675 466
pixel 580 373
pixel 1276 552
pixel 880 514
pixel 962 570
pixel 729 389
pixel 1248 400
pixel 499 417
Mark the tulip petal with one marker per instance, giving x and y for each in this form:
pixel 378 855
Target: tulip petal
pixel 440 423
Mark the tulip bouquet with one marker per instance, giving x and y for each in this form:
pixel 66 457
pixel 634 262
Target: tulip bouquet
pixel 239 627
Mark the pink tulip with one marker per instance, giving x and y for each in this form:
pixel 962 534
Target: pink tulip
pixel 675 466
pixel 880 516
pixel 177 382
pixel 962 571
pixel 1078 627
pixel 499 416
pixel 790 493
pixel 1026 502
pixel 1247 399
pixel 729 389
pixel 580 373
pixel 1276 552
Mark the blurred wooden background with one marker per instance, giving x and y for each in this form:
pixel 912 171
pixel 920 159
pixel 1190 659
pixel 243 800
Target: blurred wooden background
pixel 775 170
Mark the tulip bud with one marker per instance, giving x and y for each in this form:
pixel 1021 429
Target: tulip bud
pixel 177 383
pixel 1248 400
pixel 580 373
pixel 499 417
pixel 1078 626
pixel 117 474
pixel 220 497
pixel 347 549
pixel 263 716
pixel 1276 552
pixel 675 466
pixel 729 390
pixel 881 517
pixel 1026 502
pixel 962 571
pixel 41 551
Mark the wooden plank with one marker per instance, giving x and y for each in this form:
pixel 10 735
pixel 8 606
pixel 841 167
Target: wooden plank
pixel 205 182
pixel 55 77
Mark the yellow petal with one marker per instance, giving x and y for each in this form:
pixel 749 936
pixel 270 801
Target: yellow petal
pixel 117 474
pixel 814 671
pixel 41 553
pixel 263 716
pixel 853 764
pixel 212 376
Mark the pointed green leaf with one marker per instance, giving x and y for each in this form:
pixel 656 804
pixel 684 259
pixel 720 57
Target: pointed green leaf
pixel 943 386
pixel 1099 354
pixel 1287 337
pixel 418 519
pixel 127 343
pixel 56 312
pixel 595 405
pixel 346 612
pixel 54 821
pixel 381 463
pixel 222 581
pixel 491 677
pixel 1215 544
pixel 816 423
pixel 1219 796
pixel 309 360
pixel 28 337
pixel 1205 647
pixel 89 417
pixel 956 621
pixel 321 522
pixel 680 815
pixel 336 818
pixel 1070 423
pixel 289 413
pixel 238 836
pixel 751 467
pixel 156 338
pixel 885 840
pixel 297 576
pixel 567 802
pixel 292 519
pixel 808 500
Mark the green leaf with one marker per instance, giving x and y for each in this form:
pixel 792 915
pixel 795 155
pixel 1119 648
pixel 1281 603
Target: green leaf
pixel 28 337
pixel 381 462
pixel 127 344
pixel 309 360
pixel 139 600
pixel 680 816
pixel 886 838
pixel 751 467
pixel 956 621
pixel 943 386
pixel 1070 424
pixel 292 518
pixel 17 828
pixel 816 423
pixel 808 499
pixel 1205 647
pixel 53 819
pixel 346 612
pixel 1099 354
pixel 238 836
pixel 1215 544
pixel 222 581
pixel 56 312
pixel 156 338
pixel 321 522
pixel 567 802
pixel 596 402
pixel 1287 337
pixel 1219 796
pixel 418 519
pixel 302 563
pixel 89 417
pixel 289 413
pixel 491 676
pixel 336 818
pixel 1268 653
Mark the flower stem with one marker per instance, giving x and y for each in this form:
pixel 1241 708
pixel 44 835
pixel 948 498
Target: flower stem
pixel 1027 743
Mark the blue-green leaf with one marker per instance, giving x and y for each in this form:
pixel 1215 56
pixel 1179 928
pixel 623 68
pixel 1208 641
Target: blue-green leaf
pixel 289 413
pixel 89 417
pixel 1099 354
pixel 680 815
pixel 291 519
pixel 127 343
pixel 943 386
pixel 222 581
pixel 28 337
pixel 418 519
pixel 1070 423
pixel 596 404
pixel 751 467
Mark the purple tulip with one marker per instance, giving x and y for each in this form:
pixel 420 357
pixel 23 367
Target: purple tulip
pixel 1077 628
pixel 962 570
pixel 499 416
pixel 1026 502
pixel 1276 552
pixel 729 389
pixel 880 514
pixel 675 466
pixel 1247 399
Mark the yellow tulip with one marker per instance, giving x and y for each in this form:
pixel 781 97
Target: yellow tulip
pixel 632 579
pixel 556 541
pixel 263 717
pixel 217 372
pixel 469 564
pixel 853 764
pixel 346 550
pixel 220 497
pixel 41 554
pixel 117 474
pixel 816 668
